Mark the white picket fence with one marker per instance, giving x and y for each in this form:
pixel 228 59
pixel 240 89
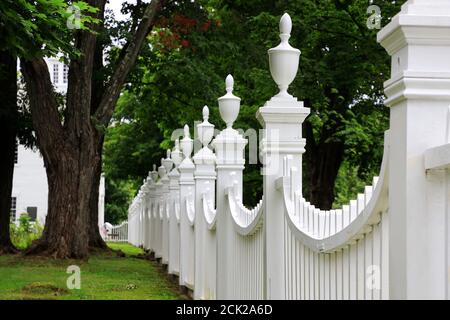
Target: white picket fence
pixel 118 233
pixel 391 242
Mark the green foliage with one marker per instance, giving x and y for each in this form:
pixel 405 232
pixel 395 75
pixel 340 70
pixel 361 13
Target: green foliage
pixel 118 196
pixel 39 27
pixel 26 232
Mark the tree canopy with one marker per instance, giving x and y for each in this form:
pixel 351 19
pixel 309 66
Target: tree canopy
pixel 342 69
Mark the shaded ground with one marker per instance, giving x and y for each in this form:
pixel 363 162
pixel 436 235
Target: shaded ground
pixel 104 276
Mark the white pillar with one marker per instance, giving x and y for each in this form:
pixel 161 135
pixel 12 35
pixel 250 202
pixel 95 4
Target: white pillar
pixel 174 225
pixel 205 176
pixel 229 146
pixel 101 204
pixel 418 94
pixel 187 187
pixel 282 119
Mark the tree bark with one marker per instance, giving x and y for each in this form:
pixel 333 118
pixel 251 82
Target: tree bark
pixel 72 147
pixel 322 163
pixel 8 132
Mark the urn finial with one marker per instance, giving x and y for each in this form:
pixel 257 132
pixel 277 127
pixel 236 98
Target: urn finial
pixel 186 131
pixel 167 163
pixel 176 154
pixel 205 112
pixel 154 173
pixel 162 170
pixel 186 143
pixel 229 104
pixel 205 129
pixel 284 59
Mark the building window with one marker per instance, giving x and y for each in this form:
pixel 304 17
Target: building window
pixel 13 207
pixel 32 213
pixel 16 153
pixel 65 73
pixel 55 73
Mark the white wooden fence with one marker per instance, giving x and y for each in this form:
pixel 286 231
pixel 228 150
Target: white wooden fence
pixel 391 241
pixel 118 233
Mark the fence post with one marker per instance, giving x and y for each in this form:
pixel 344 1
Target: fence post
pixel 152 210
pixel 282 119
pixel 166 166
pixel 187 188
pixel 205 240
pixel 229 146
pixel 418 95
pixel 174 226
pixel 158 220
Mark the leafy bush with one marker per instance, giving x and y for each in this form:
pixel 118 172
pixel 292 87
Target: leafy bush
pixel 23 234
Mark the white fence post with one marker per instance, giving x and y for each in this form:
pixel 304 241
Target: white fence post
pixel 158 207
pixel 151 202
pixel 418 94
pixel 205 239
pixel 282 118
pixel 187 190
pixel 229 146
pixel 166 166
pixel 174 205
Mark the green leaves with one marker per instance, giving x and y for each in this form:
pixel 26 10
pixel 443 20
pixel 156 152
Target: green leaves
pixel 39 28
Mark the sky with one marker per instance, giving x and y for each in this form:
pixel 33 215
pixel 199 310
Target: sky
pixel 116 5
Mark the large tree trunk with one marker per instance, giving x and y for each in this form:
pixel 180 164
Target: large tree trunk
pixel 8 131
pixel 71 145
pixel 324 169
pixel 71 159
pixel 322 163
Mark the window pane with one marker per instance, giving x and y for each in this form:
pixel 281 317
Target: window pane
pixel 55 74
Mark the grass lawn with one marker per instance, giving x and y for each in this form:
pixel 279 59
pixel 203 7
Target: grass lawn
pixel 105 276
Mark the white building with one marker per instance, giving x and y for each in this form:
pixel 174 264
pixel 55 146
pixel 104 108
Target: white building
pixel 30 188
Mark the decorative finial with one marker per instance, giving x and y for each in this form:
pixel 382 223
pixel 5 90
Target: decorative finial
pixel 229 83
pixel 205 129
pixel 186 143
pixel 154 167
pixel 205 112
pixel 284 60
pixel 229 104
pixel 168 154
pixel 285 27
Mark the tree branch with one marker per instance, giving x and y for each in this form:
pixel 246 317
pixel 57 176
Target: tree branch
pixel 44 108
pixel 132 48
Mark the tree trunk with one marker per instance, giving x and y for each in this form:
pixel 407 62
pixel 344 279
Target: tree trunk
pixel 324 169
pixel 8 131
pixel 71 159
pixel 71 145
pixel 322 163
pixel 95 239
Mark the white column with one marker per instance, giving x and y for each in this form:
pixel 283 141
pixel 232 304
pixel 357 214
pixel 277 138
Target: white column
pixel 187 187
pixel 205 176
pixel 282 119
pixel 101 204
pixel 418 94
pixel 174 225
pixel 229 146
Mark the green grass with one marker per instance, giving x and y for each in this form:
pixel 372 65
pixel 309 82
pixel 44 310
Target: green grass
pixel 103 277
